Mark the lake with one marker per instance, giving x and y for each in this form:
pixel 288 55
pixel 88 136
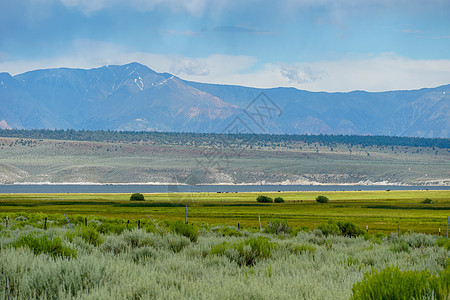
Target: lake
pixel 146 188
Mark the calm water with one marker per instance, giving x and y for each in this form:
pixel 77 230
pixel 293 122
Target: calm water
pixel 73 188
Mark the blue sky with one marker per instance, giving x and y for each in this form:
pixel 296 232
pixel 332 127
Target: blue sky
pixel 319 45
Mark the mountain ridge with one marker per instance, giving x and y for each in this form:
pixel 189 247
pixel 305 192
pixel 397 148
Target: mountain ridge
pixel 135 97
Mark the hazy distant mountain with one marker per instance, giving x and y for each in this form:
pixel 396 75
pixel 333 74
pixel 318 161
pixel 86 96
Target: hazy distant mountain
pixel 134 97
pixel 130 97
pixel 424 112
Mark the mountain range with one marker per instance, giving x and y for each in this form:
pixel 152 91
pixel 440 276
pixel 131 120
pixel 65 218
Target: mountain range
pixel 133 97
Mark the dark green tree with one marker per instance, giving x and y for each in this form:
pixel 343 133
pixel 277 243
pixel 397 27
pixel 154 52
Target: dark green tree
pixel 264 199
pixel 278 200
pixel 137 197
pixel 322 199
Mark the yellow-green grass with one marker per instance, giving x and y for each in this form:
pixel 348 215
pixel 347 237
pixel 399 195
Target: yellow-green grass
pixel 381 211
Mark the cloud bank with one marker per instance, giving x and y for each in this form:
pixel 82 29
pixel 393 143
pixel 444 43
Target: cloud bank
pixel 386 71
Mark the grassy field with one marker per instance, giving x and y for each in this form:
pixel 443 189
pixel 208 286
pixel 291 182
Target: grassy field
pixel 381 211
pixel 105 258
pixel 102 256
pixel 221 262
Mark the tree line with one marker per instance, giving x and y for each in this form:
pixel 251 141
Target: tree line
pixel 224 140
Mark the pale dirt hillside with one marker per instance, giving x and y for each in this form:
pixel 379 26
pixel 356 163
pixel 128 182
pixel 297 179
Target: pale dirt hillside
pixel 27 160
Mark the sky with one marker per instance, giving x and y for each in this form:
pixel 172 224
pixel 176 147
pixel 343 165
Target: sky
pixel 316 45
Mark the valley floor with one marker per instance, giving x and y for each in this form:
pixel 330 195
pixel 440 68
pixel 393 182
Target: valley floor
pixel 381 211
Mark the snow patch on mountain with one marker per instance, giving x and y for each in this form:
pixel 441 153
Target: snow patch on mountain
pixel 4 125
pixel 139 83
pixel 162 82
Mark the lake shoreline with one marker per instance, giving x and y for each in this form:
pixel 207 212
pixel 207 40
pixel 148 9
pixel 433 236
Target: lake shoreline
pixel 262 183
pixel 185 188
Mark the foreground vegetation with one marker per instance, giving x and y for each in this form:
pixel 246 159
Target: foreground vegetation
pixel 381 211
pixel 108 258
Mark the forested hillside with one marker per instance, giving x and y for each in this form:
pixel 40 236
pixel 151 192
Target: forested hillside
pixel 225 139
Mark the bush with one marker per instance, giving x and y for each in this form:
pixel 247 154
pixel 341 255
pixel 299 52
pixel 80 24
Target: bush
pixel 186 230
pixel 177 243
pixel 444 242
pixel 278 226
pixel 444 278
pixel 391 283
pixel 89 235
pixel 350 229
pixel 317 232
pixel 115 244
pixel 227 231
pixel 418 240
pixel 347 229
pixel 278 200
pixel 43 244
pixel 138 238
pixel 20 219
pixel 264 199
pixel 139 255
pixel 137 197
pixel 322 199
pixel 108 228
pixel 296 230
pixel 428 201
pixel 247 252
pixel 400 247
pixel 329 228
pixel 303 248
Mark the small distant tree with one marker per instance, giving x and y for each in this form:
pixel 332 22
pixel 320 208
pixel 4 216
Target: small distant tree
pixel 429 201
pixel 137 197
pixel 264 199
pixel 278 200
pixel 322 199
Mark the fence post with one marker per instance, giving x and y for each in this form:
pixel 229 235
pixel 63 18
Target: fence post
pixel 447 226
pixel 45 223
pixel 85 221
pixel 139 224
pixel 185 215
pixel 156 225
pixel 7 218
pixel 238 227
pixel 68 221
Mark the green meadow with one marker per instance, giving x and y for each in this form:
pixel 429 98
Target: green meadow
pixel 381 211
pixel 114 248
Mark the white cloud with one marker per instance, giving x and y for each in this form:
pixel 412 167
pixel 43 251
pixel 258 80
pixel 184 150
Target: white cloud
pixel 183 65
pixel 296 74
pixel 3 56
pixel 333 11
pixel 193 7
pixel 376 73
pixel 380 73
pixel 86 6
